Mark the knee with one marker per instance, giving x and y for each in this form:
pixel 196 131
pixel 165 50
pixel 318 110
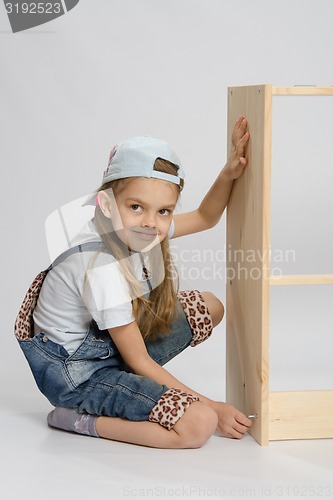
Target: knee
pixel 198 424
pixel 215 307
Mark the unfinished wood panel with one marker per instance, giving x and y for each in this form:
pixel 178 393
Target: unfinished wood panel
pixel 301 415
pixel 308 279
pixel 302 90
pixel 247 300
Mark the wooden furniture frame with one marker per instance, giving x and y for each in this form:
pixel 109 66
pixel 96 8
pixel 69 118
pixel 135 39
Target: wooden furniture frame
pixel 280 415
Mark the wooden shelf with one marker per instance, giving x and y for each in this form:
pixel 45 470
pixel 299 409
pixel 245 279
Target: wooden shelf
pixel 282 415
pixel 302 90
pixel 300 415
pixel 302 279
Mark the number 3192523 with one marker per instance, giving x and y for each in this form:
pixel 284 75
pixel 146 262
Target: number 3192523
pixel 33 8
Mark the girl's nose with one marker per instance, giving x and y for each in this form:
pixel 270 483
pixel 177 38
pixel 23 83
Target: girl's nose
pixel 148 220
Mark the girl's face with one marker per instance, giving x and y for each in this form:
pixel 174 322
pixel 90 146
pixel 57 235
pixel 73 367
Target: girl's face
pixel 143 212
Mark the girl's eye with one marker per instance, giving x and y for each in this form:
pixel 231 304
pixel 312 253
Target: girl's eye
pixel 136 208
pixel 164 211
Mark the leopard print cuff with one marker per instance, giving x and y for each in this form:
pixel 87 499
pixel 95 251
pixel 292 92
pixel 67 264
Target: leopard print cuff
pixel 171 407
pixel 197 314
pixel 24 328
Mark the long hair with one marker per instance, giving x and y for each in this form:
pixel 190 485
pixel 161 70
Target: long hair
pixel 155 313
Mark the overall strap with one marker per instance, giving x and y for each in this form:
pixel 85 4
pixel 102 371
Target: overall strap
pixel 24 325
pixel 83 247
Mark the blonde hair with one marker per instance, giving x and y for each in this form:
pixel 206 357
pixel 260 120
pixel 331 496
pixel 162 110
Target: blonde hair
pixel 155 313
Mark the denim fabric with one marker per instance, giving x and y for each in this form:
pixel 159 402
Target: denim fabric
pixel 94 379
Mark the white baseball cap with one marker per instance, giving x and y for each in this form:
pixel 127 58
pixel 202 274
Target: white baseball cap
pixel 135 157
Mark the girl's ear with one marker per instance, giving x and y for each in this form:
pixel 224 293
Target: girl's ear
pixel 104 202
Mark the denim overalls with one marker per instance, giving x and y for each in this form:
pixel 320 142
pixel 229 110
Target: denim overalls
pixel 94 379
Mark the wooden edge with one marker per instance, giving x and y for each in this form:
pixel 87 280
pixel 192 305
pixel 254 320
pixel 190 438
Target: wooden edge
pixel 301 415
pixel 302 90
pixel 264 441
pixel 302 279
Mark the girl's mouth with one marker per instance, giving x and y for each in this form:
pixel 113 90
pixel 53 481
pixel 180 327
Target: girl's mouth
pixel 145 235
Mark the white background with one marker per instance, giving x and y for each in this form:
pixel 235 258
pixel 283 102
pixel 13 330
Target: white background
pixel 112 69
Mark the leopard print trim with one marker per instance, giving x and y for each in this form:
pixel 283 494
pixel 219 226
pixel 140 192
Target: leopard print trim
pixel 171 407
pixel 23 328
pixel 197 314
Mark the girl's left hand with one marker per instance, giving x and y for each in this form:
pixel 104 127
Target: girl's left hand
pixel 237 160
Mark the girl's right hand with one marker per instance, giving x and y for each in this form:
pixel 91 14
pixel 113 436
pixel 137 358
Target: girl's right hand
pixel 231 422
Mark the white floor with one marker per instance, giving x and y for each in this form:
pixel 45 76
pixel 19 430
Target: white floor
pixel 39 463
pixel 43 463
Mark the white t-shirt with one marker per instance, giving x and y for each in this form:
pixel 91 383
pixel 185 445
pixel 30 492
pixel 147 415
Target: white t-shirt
pixel 85 286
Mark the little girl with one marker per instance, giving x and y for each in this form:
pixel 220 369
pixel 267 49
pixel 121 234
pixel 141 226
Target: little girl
pixel 99 324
